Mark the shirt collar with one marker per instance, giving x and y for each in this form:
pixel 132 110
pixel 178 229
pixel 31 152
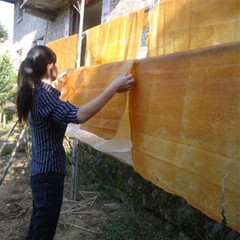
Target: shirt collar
pixel 48 88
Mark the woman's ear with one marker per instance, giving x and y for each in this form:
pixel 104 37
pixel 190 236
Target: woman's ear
pixel 52 71
pixel 49 69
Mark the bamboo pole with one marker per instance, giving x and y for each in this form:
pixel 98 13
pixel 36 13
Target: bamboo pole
pixel 81 8
pixel 78 153
pixel 75 182
pixel 72 192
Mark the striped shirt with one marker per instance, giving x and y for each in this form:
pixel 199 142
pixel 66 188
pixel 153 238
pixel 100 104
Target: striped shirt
pixel 48 119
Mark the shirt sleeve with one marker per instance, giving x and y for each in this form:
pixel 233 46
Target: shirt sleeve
pixel 58 110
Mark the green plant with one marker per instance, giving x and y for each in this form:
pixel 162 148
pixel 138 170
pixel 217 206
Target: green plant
pixel 8 86
pixel 7 150
pixel 63 225
pixel 10 114
pixel 118 231
pixel 3 34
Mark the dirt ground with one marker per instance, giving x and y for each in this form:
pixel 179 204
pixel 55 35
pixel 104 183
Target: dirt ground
pixel 95 216
pixel 78 220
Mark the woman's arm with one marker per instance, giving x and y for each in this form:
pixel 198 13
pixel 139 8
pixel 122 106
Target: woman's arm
pixel 120 84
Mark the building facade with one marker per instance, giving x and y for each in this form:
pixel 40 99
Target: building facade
pixel 38 23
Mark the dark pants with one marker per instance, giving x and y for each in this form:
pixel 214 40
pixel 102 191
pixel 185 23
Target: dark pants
pixel 47 191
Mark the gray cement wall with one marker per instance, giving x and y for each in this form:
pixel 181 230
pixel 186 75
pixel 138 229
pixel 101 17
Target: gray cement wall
pixel 121 7
pixel 30 28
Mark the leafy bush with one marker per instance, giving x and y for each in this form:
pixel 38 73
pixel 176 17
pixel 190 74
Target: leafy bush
pixel 3 34
pixel 8 86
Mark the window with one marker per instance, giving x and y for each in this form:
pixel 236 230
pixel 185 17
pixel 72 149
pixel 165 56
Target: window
pixel 39 41
pixel 19 52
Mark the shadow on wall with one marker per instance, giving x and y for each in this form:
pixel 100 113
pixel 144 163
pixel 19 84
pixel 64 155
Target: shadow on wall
pixel 114 5
pixel 30 31
pixel 27 33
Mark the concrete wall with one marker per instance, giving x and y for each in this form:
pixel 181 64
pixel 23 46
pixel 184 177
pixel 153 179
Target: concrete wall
pixel 30 28
pixel 59 28
pixel 177 219
pixel 121 7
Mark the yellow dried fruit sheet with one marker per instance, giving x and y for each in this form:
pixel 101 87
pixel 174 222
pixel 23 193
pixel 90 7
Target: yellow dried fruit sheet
pixel 177 26
pixel 86 83
pixel 185 127
pixel 66 51
pixel 116 40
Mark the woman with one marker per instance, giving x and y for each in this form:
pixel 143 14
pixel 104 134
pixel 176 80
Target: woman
pixel 39 103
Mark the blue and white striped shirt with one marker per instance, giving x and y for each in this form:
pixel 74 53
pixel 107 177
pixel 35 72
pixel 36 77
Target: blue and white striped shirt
pixel 48 119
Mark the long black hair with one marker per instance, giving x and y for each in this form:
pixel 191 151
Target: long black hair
pixel 31 71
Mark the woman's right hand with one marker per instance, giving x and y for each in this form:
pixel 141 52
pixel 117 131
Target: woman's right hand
pixel 122 83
